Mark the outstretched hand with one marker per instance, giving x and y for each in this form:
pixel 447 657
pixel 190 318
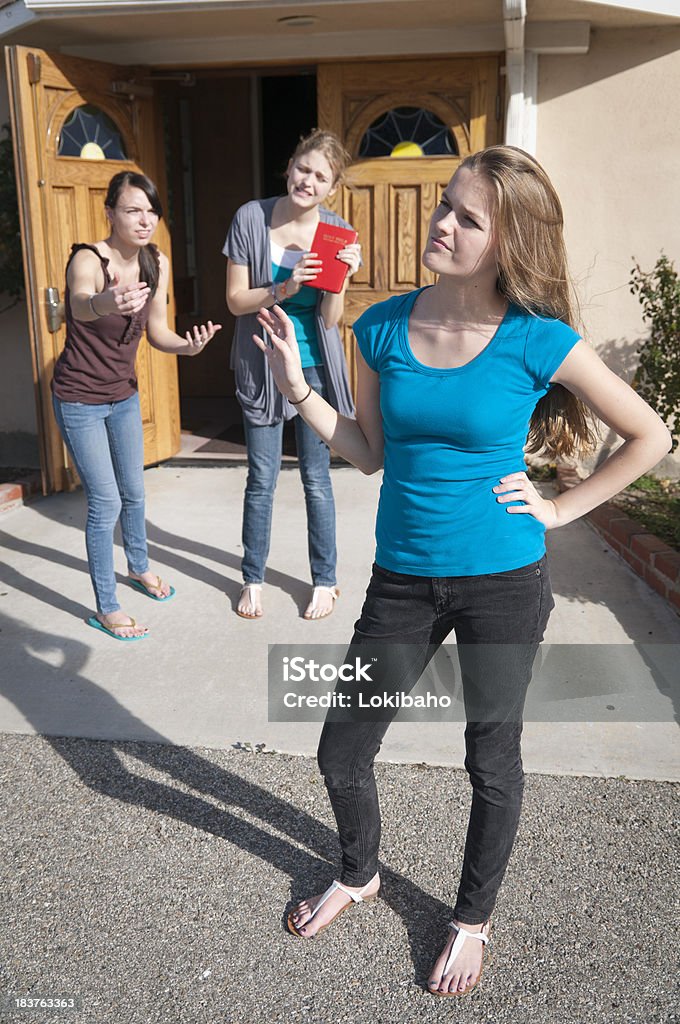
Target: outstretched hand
pixel 283 355
pixel 518 487
pixel 198 337
pixel 125 299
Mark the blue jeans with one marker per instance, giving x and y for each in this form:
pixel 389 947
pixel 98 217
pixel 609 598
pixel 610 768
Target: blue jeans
pixel 106 444
pixel 499 620
pixel 264 446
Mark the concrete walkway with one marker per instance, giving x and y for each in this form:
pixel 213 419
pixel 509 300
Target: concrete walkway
pixel 610 699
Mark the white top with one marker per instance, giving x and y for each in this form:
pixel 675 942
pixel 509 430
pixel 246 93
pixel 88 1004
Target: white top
pixel 285 257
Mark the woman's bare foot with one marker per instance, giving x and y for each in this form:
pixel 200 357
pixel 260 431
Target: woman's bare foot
pixel 154 584
pixel 122 624
pixel 308 923
pixel 464 972
pixel 250 601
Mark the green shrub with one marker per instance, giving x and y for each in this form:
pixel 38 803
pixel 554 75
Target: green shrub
pixel 657 378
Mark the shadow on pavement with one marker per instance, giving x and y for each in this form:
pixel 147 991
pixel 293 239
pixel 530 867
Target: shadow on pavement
pixel 306 850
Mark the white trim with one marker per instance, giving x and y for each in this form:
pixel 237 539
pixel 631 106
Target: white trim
pixel 545 37
pixel 56 8
pixel 15 16
pixel 514 109
pixel 523 43
pixel 666 8
pixel 514 19
pixel 279 46
pixel 530 117
pixel 99 7
pixel 558 37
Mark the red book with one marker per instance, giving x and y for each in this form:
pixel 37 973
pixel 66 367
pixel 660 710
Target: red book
pixel 328 241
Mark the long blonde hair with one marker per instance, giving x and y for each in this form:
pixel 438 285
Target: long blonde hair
pixel 330 146
pixel 533 274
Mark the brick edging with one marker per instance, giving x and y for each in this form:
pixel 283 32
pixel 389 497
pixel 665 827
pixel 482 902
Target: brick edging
pixel 652 559
pixel 20 491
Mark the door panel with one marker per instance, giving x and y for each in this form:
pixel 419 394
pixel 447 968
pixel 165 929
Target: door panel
pixel 62 203
pixel 390 200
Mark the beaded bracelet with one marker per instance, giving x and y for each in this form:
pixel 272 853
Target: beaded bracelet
pixel 283 286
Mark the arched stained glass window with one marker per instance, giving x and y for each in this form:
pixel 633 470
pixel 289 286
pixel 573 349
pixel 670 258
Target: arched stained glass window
pixel 408 131
pixel 90 134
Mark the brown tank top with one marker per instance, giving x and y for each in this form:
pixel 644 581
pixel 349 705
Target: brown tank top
pixel 98 361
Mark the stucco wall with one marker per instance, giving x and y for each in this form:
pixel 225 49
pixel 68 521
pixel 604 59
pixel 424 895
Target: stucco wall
pixel 608 136
pixel 18 430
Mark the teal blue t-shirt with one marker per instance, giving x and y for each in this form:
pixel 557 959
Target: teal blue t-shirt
pixel 450 435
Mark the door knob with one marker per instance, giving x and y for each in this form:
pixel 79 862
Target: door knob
pixel 55 310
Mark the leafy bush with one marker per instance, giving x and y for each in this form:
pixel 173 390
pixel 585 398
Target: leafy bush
pixel 658 376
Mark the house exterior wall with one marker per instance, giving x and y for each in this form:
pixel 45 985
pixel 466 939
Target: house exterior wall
pixel 608 137
pixel 18 429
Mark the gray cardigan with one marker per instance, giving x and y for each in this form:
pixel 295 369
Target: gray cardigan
pixel 263 404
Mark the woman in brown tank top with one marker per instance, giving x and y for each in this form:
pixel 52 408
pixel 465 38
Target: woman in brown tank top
pixel 115 289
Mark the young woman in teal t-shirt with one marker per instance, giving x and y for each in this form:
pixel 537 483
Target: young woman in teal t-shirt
pixel 452 381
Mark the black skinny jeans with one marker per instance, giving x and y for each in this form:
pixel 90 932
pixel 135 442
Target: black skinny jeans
pixel 486 612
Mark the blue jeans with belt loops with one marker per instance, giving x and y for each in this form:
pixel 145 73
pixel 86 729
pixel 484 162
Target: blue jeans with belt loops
pixel 106 444
pixel 487 613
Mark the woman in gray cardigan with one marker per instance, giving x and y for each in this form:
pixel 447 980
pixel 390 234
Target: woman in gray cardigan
pixel 269 261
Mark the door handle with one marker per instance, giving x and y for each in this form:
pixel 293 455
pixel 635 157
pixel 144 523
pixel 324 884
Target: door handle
pixel 55 310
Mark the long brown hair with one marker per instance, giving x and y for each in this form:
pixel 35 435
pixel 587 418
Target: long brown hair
pixel 533 274
pixel 149 261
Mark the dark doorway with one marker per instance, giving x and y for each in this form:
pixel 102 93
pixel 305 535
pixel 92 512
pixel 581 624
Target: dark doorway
pixel 229 135
pixel 288 111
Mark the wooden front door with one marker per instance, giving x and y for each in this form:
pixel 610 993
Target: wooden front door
pixel 390 199
pixel 56 101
